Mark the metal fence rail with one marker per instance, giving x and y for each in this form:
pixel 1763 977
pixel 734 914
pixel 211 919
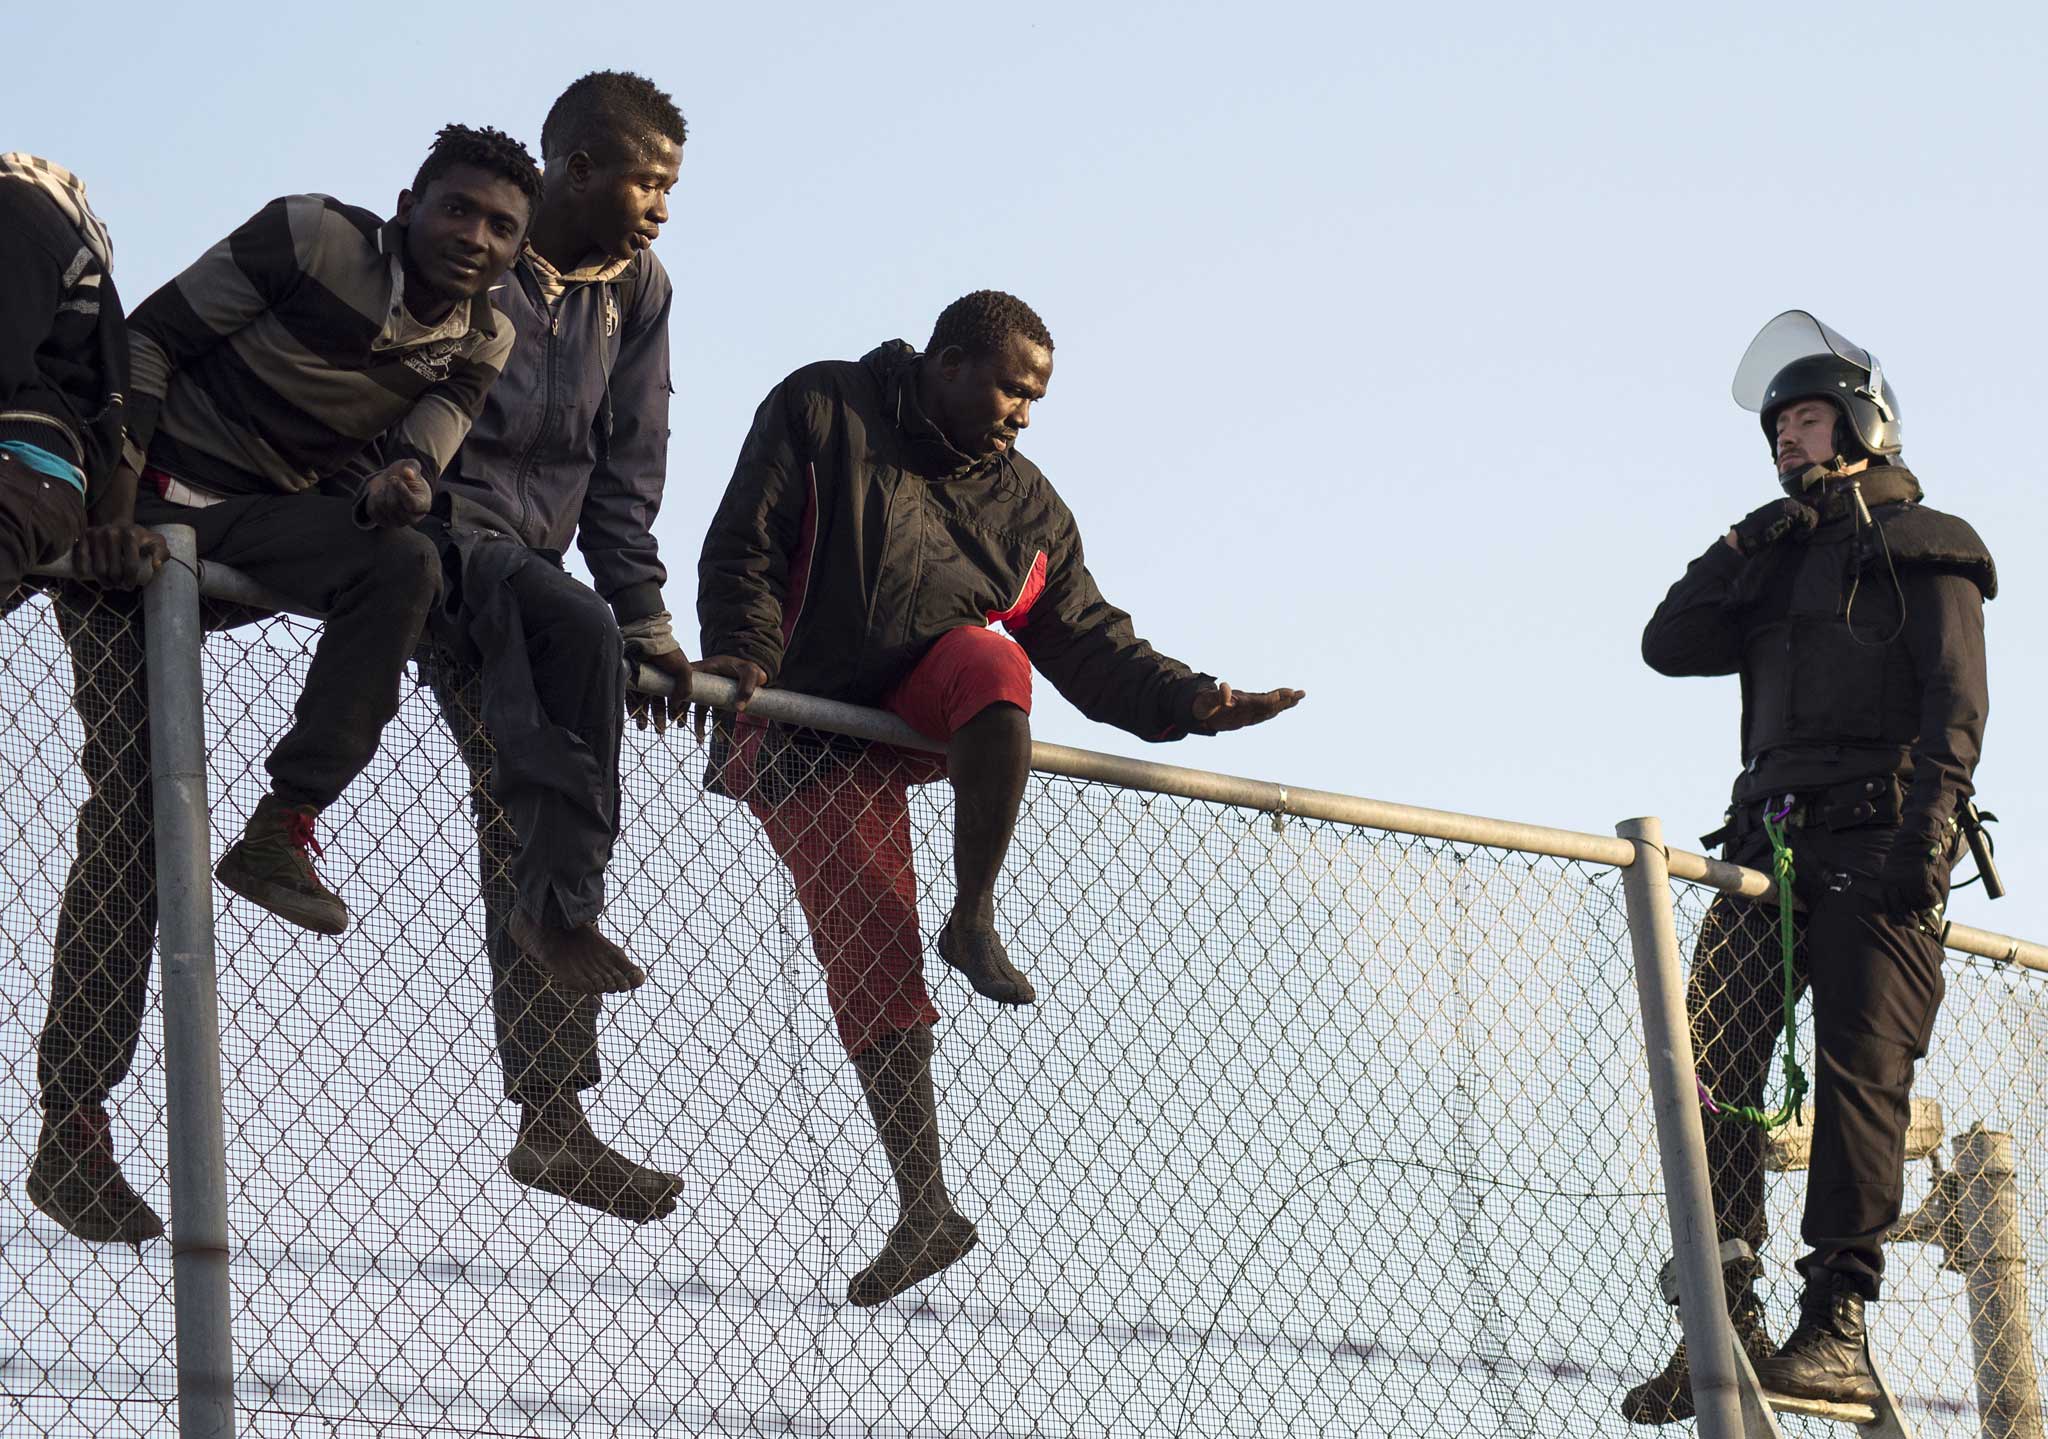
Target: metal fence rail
pixel 1320 1127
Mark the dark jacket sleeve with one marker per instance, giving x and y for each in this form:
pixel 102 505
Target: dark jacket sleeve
pixel 439 420
pixel 1086 646
pixel 1692 632
pixel 28 307
pixel 1945 635
pixel 219 293
pixel 63 345
pixel 743 574
pixel 616 529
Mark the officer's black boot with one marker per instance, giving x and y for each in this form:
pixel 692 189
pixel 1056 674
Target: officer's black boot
pixel 1667 1398
pixel 1828 1355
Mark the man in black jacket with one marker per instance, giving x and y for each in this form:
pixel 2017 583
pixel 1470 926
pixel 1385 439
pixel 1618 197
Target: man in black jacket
pixel 879 522
pixel 1854 615
pixel 63 363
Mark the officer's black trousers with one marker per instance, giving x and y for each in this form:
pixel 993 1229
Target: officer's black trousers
pixel 1876 983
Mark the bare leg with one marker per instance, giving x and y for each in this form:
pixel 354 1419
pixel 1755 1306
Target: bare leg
pixel 988 761
pixel 557 1151
pixel 929 1233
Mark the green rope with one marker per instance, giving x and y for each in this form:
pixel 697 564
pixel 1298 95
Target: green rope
pixel 1795 1077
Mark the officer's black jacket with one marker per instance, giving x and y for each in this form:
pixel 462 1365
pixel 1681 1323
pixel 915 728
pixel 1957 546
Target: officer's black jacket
pixel 1822 704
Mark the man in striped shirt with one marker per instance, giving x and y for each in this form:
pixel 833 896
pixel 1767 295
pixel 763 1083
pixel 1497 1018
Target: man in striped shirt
pixel 266 367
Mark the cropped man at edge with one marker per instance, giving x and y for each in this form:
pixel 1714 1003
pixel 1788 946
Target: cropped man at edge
pixel 879 523
pixel 257 373
pixel 63 363
pixel 63 371
pixel 572 441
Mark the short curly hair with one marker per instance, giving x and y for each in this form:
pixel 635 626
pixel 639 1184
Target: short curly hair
pixel 492 151
pixel 609 114
pixel 981 323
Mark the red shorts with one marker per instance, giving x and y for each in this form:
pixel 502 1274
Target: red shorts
pixel 846 837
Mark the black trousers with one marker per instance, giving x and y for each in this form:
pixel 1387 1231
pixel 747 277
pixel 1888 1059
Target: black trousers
pixel 377 585
pixel 540 731
pixel 1877 984
pixel 106 925
pixel 374 587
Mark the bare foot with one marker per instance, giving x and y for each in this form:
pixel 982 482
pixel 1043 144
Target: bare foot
pixel 579 959
pixel 978 953
pixel 576 1165
pixel 917 1249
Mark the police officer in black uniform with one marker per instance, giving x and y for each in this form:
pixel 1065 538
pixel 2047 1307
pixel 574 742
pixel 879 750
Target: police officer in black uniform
pixel 1854 615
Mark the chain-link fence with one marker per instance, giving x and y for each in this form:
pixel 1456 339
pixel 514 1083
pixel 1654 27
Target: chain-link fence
pixel 1960 1331
pixel 1316 1129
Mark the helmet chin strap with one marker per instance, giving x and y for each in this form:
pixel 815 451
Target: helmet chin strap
pixel 1817 477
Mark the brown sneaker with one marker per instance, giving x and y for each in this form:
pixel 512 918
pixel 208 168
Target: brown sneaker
pixel 75 1180
pixel 583 1169
pixel 979 954
pixel 579 958
pixel 916 1250
pixel 272 865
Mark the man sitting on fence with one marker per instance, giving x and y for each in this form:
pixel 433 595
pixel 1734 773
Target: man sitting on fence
pixel 258 372
pixel 880 521
pixel 572 441
pixel 63 371
pixel 1854 615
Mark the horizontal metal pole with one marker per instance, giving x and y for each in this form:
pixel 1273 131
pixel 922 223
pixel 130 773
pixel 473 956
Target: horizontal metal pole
pixel 218 582
pixel 1269 798
pixel 1261 795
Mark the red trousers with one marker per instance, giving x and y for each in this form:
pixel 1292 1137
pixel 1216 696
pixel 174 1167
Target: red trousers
pixel 846 838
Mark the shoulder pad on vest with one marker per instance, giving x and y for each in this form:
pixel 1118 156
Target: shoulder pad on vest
pixel 1929 539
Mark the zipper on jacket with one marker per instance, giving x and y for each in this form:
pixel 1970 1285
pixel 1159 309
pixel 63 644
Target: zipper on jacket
pixel 522 475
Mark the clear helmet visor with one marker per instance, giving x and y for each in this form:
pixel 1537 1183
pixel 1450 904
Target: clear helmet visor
pixel 1793 335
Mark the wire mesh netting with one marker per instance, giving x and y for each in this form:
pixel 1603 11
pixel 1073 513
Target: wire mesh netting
pixel 1315 1130
pixel 1960 1331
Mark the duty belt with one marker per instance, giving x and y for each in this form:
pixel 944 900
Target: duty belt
pixel 1851 805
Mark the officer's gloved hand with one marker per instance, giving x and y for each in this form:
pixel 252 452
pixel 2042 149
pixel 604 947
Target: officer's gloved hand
pixel 1915 875
pixel 1771 523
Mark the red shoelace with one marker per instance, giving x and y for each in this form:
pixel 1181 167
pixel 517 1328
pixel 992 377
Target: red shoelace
pixel 298 828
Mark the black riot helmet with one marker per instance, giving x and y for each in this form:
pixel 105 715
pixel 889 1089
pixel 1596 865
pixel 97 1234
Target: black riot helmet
pixel 1796 357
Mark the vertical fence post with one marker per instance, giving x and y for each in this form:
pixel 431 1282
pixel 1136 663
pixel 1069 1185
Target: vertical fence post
pixel 1681 1142
pixel 1985 1244
pixel 184 883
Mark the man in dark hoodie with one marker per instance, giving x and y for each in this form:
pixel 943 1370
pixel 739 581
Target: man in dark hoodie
pixel 259 372
pixel 572 442
pixel 1854 615
pixel 879 523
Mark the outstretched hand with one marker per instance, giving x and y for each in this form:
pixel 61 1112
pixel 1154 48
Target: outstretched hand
pixel 396 496
pixel 1221 708
pixel 747 675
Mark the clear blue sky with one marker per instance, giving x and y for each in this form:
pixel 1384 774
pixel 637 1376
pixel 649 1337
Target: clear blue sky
pixel 1393 342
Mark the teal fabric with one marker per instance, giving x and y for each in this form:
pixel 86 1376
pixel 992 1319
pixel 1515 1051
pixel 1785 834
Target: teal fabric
pixel 43 462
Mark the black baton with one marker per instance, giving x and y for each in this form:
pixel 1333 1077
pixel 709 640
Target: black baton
pixel 1980 849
